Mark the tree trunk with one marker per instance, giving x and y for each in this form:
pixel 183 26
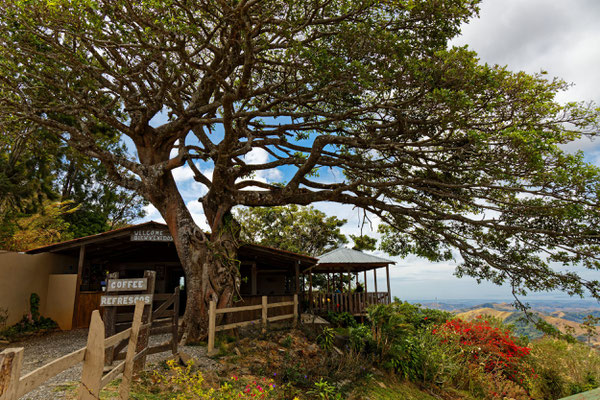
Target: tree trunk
pixel 209 260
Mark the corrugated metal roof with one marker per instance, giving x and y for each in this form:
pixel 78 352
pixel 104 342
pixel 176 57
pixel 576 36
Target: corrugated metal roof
pixel 591 395
pixel 344 255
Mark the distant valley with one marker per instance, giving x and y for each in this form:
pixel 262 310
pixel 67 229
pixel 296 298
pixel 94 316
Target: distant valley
pixel 566 316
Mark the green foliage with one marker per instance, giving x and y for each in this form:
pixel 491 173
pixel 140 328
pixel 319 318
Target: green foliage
pixel 360 339
pixel 453 155
pixel 325 391
pixel 325 338
pixel 40 176
pixel 3 317
pixel 564 368
pixel 341 319
pixel 590 326
pixel 43 228
pixel 287 342
pixel 364 242
pixel 303 230
pixel 187 383
pixel 31 323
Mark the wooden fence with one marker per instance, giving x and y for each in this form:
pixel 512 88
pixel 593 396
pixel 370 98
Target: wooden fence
pixel 14 386
pixel 354 303
pixel 164 319
pixel 264 307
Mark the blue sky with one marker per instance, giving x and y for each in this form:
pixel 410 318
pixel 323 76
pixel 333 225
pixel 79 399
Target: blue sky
pixel 558 36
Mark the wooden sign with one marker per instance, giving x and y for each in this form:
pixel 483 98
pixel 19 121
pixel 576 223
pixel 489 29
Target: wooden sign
pixel 125 300
pixel 151 235
pixel 127 285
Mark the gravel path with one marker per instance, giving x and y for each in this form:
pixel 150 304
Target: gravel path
pixel 42 350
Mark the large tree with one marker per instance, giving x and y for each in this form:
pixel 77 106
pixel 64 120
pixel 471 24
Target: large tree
pixel 447 151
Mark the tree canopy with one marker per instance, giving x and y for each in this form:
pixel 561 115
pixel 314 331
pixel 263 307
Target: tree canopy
pixel 303 230
pixel 360 102
pixel 41 178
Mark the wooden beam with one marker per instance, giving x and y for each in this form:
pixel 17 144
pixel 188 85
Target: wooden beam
pixel 366 291
pixel 93 363
pixel 310 290
pixel 387 274
pixel 74 318
pixel 253 279
pixel 144 334
pixel 297 266
pixel 375 279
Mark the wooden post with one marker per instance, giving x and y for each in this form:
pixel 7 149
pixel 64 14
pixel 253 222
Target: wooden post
pixel 375 282
pixel 264 314
pixel 175 341
pixel 142 342
pixel 310 292
pixel 295 323
pixel 74 319
pixel 133 338
pixel 11 361
pixel 387 274
pixel 110 318
pixel 297 267
pixel 93 362
pixel 350 297
pixel 365 279
pixel 212 320
pixel 254 279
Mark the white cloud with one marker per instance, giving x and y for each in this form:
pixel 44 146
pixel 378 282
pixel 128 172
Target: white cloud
pixel 152 214
pixel 256 156
pixel 197 212
pixel 183 173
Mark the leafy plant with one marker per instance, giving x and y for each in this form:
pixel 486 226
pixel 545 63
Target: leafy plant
pixel 3 317
pixel 325 391
pixel 360 338
pixel 326 337
pixel 287 342
pixel 341 319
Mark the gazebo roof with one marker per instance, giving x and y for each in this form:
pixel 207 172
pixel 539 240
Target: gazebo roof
pixel 343 259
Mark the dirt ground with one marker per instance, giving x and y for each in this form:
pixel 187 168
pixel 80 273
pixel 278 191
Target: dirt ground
pixel 39 351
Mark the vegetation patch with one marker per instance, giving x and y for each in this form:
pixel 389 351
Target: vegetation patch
pixel 31 324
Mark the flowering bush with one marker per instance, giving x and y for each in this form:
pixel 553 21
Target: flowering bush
pixel 493 349
pixel 184 383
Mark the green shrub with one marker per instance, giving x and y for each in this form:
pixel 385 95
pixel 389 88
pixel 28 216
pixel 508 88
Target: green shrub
pixel 341 319
pixel 361 339
pixel 564 368
pixel 326 337
pixel 31 322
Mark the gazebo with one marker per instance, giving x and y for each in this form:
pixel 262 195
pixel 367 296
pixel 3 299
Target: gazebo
pixel 338 295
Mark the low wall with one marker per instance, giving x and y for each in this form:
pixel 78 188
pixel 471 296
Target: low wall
pixel 61 299
pixel 23 274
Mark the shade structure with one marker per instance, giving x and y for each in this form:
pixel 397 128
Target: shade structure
pixel 348 260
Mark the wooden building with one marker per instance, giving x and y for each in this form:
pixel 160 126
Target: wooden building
pixel 338 294
pixel 149 246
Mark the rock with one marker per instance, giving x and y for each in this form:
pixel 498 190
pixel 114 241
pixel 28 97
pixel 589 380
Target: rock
pixel 382 385
pixel 237 351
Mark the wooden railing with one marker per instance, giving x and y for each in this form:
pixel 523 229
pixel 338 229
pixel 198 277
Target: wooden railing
pixel 264 307
pixel 354 303
pixel 165 319
pixel 14 386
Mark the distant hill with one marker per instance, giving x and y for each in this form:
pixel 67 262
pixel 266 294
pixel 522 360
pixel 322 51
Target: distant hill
pixel 561 320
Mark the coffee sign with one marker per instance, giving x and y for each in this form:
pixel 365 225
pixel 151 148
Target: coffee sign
pixel 125 300
pixel 127 285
